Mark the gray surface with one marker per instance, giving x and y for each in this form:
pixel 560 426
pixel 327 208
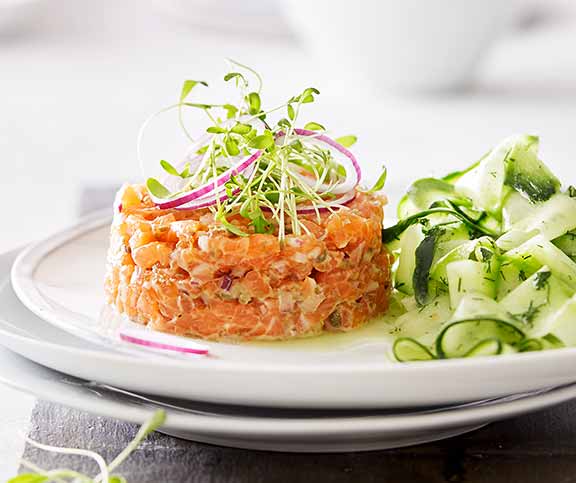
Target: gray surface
pixel 534 448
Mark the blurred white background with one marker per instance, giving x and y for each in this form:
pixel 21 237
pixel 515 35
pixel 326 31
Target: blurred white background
pixel 78 77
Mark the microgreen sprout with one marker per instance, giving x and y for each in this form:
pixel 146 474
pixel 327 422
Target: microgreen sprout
pixel 39 475
pixel 380 182
pixel 347 141
pixel 296 167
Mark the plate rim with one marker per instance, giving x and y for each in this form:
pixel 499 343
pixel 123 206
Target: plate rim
pixel 253 425
pixel 27 260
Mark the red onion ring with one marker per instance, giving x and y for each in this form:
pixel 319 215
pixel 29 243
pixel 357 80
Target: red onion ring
pixel 208 188
pixel 190 348
pixel 208 194
pixel 346 186
pixel 204 202
pixel 211 199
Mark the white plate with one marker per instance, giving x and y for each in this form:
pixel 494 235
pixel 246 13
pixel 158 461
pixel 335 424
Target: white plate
pixel 60 279
pixel 301 431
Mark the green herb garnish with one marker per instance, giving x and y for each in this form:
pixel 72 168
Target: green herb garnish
pixel 293 170
pixel 40 475
pixel 347 141
pixel 541 280
pixel 380 182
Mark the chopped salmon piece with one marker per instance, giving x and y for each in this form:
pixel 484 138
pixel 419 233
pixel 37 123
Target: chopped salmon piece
pixel 181 272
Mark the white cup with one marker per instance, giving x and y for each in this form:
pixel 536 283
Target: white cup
pixel 407 45
pixel 19 16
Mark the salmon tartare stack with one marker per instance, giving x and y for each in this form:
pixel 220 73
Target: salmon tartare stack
pixel 261 233
pixel 182 272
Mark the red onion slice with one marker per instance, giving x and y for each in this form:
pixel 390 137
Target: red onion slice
pixel 213 198
pixel 155 340
pixel 208 188
pixel 353 176
pixel 205 202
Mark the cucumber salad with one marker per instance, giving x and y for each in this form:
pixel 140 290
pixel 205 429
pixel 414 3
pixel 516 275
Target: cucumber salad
pixel 486 259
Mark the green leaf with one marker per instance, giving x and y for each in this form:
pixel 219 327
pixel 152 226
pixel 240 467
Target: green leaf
pixel 380 182
pixel 28 478
pixel 346 141
pixel 230 110
pixel 247 209
pixel 262 225
pixel 284 123
pixel 216 130
pixel 254 102
pixel 249 69
pixel 251 135
pixel 186 171
pixel 240 128
pixel 308 95
pixel 232 146
pixel 157 188
pixel 298 146
pixel 272 197
pixel 252 211
pixel 310 91
pixel 230 189
pixel 117 479
pixel 314 126
pixel 235 75
pixel 341 170
pixel 188 86
pixel 202 150
pixel 230 227
pixel 262 141
pixel 169 168
pixel 291 113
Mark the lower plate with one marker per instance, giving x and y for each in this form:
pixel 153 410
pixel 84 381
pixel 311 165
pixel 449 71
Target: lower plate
pixel 272 429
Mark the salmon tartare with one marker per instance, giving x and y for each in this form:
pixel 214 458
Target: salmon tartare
pixel 263 232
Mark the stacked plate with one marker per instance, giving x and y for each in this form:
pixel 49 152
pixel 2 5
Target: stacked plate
pixel 333 393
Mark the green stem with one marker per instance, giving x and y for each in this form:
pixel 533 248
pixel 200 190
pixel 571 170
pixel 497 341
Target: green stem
pixel 393 233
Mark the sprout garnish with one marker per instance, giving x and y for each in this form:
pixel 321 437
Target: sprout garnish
pixel 39 475
pixel 297 171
